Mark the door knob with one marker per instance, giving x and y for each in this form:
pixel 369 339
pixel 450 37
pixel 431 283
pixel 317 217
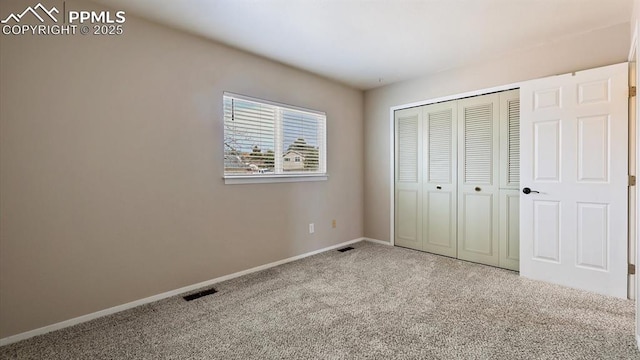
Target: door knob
pixel 529 191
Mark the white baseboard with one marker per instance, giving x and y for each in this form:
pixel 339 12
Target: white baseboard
pixel 377 241
pixel 638 340
pixel 84 318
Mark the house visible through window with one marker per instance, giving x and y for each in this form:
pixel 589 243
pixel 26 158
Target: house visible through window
pixel 267 139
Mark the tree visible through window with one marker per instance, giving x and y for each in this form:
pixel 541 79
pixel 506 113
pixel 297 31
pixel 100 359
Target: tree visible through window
pixel 263 138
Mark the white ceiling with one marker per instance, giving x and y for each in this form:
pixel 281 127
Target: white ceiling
pixel 368 43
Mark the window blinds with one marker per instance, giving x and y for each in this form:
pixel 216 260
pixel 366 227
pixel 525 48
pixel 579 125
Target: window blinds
pixel 263 138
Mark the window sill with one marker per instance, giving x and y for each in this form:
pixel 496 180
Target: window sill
pixel 253 179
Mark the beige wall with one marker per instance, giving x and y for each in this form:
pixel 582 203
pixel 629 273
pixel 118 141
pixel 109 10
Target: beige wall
pixel 635 16
pixel 602 47
pixel 111 169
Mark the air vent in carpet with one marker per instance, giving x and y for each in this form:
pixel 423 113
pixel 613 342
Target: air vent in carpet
pixel 200 294
pixel 345 249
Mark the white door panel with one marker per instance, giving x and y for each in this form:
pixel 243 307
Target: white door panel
pixel 437 233
pixel 477 230
pixel 546 231
pixel 510 229
pixel 574 159
pixel 407 224
pixel 546 158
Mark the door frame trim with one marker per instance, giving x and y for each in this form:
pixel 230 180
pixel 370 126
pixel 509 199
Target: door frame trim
pixel 633 58
pixel 392 133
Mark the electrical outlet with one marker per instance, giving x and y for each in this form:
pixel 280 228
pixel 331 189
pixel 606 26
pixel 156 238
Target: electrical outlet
pixel 333 223
pixel 311 228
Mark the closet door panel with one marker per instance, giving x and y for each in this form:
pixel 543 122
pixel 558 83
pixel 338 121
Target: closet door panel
pixel 477 226
pixel 438 233
pixel 408 207
pixel 407 223
pixel 510 229
pixel 478 180
pixel 439 189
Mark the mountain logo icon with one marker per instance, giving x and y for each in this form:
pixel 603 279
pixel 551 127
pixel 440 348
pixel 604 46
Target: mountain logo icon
pixel 34 11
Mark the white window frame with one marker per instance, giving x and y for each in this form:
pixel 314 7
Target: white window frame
pixel 280 176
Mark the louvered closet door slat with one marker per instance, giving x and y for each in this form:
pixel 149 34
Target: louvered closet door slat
pixel 510 139
pixel 513 173
pixel 440 147
pixel 478 144
pixel 408 149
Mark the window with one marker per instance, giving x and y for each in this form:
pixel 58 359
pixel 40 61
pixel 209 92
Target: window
pixel 267 140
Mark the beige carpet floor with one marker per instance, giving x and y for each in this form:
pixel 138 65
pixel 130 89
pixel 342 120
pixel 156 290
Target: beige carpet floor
pixel 373 302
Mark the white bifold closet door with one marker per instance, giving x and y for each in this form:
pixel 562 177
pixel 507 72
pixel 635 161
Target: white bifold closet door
pixel 457 177
pixel 408 156
pixel 478 185
pixel 440 178
pixel 425 178
pixel 510 180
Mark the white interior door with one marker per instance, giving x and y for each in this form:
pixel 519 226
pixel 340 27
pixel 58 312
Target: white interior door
pixel 574 161
pixel 439 201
